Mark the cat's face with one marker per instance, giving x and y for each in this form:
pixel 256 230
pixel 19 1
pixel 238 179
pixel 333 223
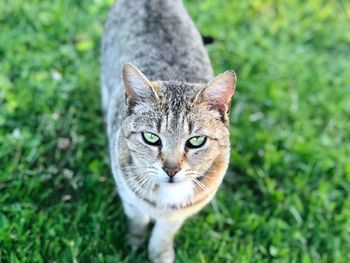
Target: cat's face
pixel 174 132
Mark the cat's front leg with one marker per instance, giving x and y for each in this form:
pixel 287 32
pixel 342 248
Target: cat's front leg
pixel 160 248
pixel 137 224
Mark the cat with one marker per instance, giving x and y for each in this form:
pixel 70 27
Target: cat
pixel 166 118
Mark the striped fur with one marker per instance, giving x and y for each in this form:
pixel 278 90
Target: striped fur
pixel 171 93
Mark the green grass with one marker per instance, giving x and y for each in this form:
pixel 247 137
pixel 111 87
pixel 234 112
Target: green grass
pixel 286 195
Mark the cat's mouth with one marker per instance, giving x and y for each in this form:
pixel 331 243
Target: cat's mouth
pixel 172 180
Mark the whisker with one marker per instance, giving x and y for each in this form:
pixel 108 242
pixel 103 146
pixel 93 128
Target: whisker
pixel 147 178
pixel 213 171
pixel 130 178
pixel 139 184
pixel 153 192
pixel 136 175
pixel 137 181
pixel 134 167
pixel 148 188
pixel 215 207
pixel 201 186
pixel 204 176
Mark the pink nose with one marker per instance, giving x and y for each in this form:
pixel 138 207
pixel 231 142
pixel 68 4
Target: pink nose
pixel 171 171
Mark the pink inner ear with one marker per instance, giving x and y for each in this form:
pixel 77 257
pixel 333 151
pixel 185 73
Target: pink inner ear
pixel 137 86
pixel 220 91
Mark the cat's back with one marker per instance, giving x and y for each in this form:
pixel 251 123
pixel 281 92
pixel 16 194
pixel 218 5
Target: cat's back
pixel 157 36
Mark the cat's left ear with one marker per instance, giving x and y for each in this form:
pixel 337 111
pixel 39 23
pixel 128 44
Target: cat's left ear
pixel 219 91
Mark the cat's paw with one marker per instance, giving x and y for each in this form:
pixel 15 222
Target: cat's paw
pixel 161 256
pixel 136 240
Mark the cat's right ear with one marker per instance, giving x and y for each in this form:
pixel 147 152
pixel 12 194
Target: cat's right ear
pixel 137 86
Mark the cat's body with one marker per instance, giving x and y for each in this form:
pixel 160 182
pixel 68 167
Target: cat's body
pixel 169 179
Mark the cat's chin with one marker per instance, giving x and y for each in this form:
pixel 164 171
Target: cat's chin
pixel 175 193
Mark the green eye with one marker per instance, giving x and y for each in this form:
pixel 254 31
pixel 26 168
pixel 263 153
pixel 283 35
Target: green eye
pixel 151 138
pixel 196 142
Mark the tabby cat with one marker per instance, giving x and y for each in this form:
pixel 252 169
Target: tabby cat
pixel 166 117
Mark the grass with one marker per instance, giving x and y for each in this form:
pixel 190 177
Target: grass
pixel 286 195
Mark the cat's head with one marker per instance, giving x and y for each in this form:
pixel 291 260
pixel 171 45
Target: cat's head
pixel 176 132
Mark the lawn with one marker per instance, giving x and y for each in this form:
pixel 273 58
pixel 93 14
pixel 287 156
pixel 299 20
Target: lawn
pixel 286 196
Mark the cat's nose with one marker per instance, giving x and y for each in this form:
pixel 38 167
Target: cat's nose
pixel 171 171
